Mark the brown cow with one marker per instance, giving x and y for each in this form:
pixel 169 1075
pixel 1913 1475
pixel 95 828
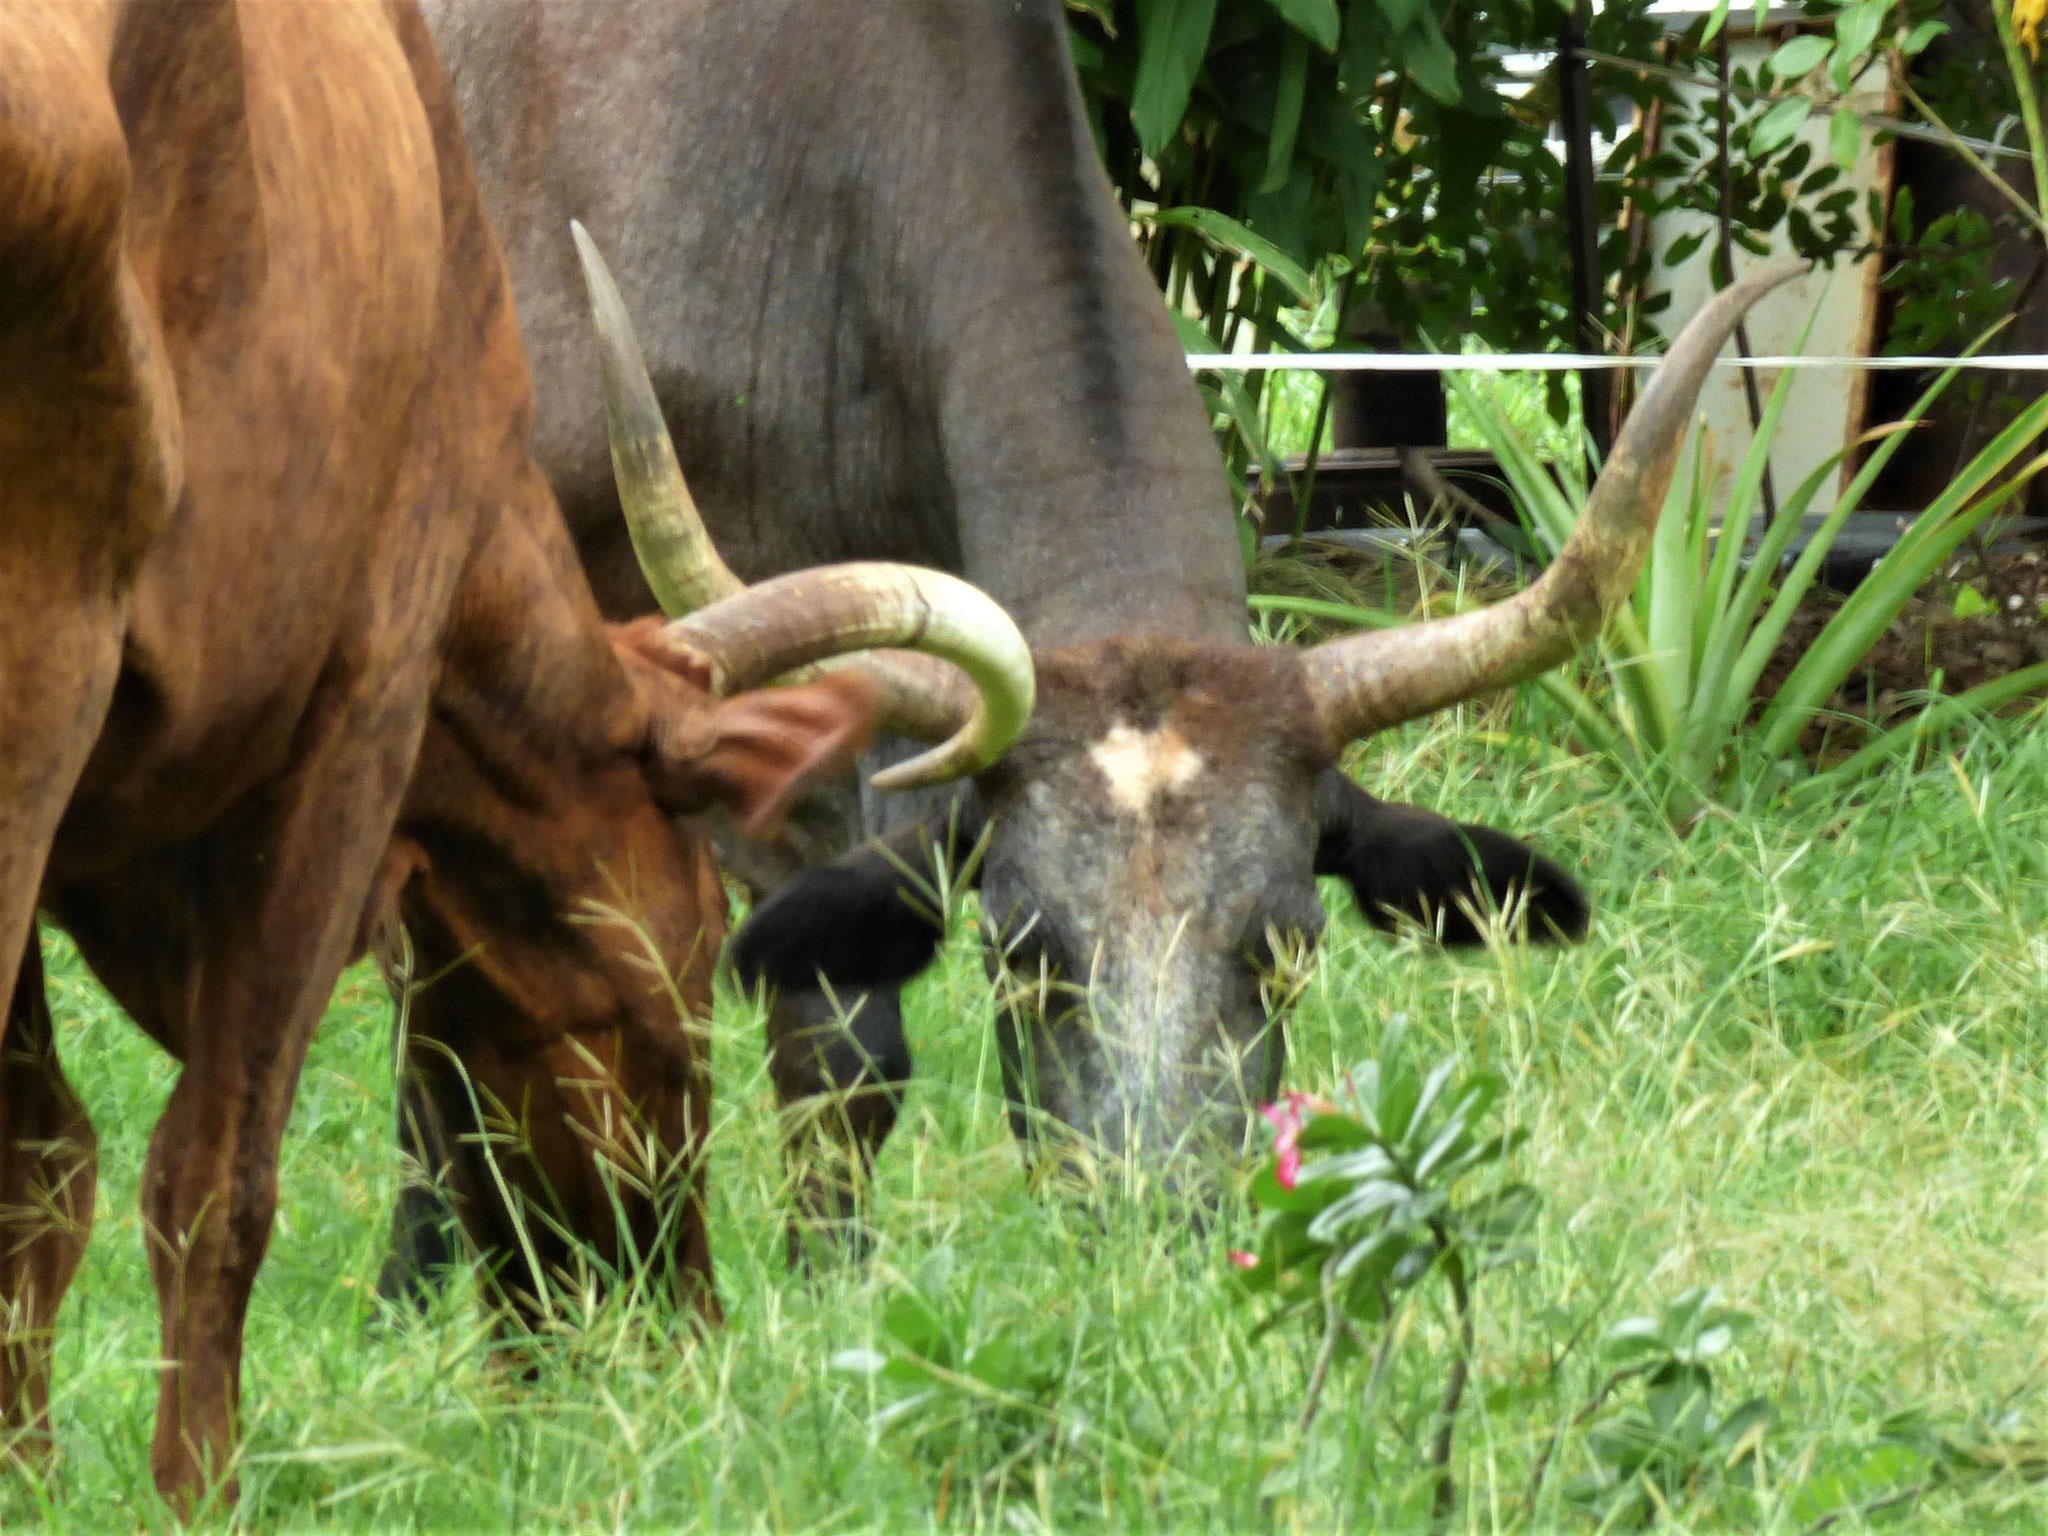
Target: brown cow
pixel 292 623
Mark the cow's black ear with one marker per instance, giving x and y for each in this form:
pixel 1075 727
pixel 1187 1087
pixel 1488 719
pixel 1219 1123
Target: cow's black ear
pixel 866 920
pixel 855 925
pixel 1404 862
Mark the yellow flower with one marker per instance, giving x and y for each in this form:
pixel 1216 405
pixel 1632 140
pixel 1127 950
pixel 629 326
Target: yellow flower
pixel 2027 16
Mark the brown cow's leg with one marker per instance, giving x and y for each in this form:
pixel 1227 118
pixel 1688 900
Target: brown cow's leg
pixel 48 1172
pixel 226 951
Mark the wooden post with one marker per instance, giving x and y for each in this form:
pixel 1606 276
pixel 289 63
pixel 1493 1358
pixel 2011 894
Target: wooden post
pixel 1582 218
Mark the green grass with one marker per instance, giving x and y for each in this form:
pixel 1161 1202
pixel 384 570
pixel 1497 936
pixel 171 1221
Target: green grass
pixel 1800 1058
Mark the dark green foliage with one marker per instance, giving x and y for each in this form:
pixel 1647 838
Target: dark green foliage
pixel 1364 137
pixel 1662 1449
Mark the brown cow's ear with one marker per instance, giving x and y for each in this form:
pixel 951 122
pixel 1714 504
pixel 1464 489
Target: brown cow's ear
pixel 765 745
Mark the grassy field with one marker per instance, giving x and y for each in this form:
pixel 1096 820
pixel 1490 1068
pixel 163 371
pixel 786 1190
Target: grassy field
pixel 1799 1059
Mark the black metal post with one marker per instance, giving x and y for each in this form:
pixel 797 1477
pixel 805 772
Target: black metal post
pixel 1582 220
pixel 1725 252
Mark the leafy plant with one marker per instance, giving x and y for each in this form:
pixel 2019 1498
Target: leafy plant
pixel 1674 1439
pixel 1963 84
pixel 940 1376
pixel 1683 660
pixel 1349 1237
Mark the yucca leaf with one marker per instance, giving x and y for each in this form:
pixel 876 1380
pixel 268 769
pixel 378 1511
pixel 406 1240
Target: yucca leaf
pixel 1251 427
pixel 1671 581
pixel 1233 238
pixel 1763 638
pixel 1743 496
pixel 1933 537
pixel 1548 506
pixel 1725 681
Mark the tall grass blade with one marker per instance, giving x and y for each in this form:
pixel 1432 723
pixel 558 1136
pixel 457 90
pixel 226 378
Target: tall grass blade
pixel 1939 715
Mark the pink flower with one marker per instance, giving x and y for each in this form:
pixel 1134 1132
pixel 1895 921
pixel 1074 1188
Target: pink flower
pixel 1244 1260
pixel 1287 1119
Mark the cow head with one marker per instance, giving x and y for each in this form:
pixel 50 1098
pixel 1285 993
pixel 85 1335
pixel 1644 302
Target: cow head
pixel 1154 836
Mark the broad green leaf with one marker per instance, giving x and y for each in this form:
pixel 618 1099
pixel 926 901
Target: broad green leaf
pixel 1845 138
pixel 1377 1252
pixel 1635 1337
pixel 1799 58
pixel 1715 21
pixel 1368 1200
pixel 1681 249
pixel 1364 49
pixel 1346 1168
pixel 1855 30
pixel 1451 1142
pixel 1918 39
pixel 1399 14
pixel 1432 1089
pixel 1744 1423
pixel 1266 1193
pixel 1971 604
pixel 1494 1220
pixel 911 1321
pixel 999 1364
pixel 1103 11
pixel 1286 111
pixel 1415 1264
pixel 1227 234
pixel 1333 1133
pixel 1712 1341
pixel 1194 340
pixel 1479 1093
pixel 1428 58
pixel 1173 37
pixel 1776 127
pixel 1315 19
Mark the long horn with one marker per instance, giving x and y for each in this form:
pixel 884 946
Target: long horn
pixel 749 636
pixel 681 563
pixel 779 625
pixel 1367 682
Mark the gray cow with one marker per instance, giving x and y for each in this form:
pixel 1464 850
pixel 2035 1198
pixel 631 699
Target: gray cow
pixel 892 310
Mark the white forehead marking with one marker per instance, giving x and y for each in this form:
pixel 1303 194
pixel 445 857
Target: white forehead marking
pixel 1139 766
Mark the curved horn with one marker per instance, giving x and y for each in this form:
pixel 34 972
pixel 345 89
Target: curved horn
pixel 1363 683
pixel 749 636
pixel 681 563
pixel 807 616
